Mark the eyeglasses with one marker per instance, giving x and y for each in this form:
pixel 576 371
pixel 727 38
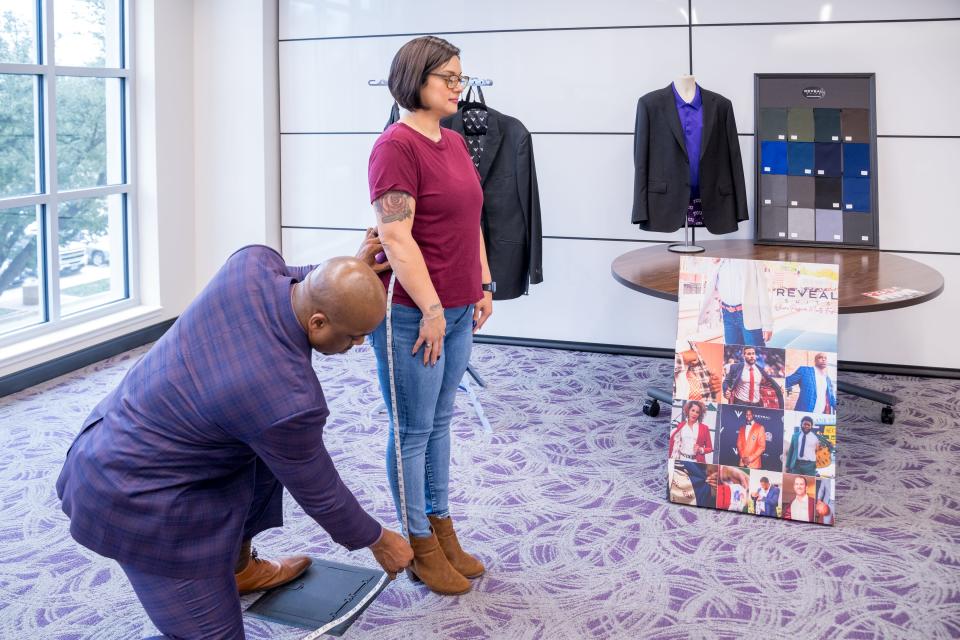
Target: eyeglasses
pixel 453 80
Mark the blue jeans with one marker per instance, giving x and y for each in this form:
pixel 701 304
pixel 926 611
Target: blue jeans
pixel 425 397
pixel 735 333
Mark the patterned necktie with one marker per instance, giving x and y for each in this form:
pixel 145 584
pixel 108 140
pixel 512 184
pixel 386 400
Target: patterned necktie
pixel 751 384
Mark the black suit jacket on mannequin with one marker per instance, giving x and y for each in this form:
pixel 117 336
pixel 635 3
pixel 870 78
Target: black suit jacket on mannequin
pixel 661 191
pixel 511 204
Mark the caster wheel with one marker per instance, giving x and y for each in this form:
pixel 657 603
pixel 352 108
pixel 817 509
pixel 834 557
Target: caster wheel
pixel 886 415
pixel 651 408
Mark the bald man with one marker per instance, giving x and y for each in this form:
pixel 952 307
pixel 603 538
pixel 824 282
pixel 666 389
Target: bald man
pixel 185 461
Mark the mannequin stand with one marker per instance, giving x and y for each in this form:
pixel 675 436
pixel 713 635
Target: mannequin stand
pixel 689 240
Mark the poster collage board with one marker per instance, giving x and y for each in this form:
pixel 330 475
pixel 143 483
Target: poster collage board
pixel 753 426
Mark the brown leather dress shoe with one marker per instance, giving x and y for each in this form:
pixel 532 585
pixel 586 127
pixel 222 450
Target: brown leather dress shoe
pixel 467 565
pixel 260 574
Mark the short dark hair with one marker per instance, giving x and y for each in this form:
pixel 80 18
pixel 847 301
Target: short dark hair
pixel 764 479
pixel 409 69
pixel 806 419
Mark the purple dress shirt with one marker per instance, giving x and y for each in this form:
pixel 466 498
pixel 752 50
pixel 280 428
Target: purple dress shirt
pixel 162 474
pixel 691 121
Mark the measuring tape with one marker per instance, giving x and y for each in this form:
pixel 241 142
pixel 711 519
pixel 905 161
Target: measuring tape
pixel 399 461
pixel 363 602
pixel 404 522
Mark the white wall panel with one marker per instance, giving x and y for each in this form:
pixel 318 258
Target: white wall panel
pixel 916 210
pixel 324 180
pixel 725 11
pixel 337 18
pixel 552 81
pixel 310 246
pixel 920 335
pixel 915 64
pixel 588 80
pixel 325 184
pixel 586 187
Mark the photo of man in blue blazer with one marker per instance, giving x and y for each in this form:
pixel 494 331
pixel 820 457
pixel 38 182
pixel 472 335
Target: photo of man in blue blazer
pixel 817 389
pixel 767 499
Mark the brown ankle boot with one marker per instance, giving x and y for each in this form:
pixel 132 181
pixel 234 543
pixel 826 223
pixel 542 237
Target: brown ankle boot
pixel 255 574
pixel 467 565
pixel 432 567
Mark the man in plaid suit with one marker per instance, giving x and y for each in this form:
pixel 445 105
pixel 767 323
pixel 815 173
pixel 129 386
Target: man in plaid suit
pixel 186 460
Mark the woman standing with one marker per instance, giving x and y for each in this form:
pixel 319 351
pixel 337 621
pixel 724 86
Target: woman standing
pixel 691 439
pixel 427 197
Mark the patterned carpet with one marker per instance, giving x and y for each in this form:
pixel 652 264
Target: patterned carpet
pixel 565 501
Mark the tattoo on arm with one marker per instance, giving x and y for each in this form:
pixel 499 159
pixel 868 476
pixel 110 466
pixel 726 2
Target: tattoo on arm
pixel 433 310
pixel 392 206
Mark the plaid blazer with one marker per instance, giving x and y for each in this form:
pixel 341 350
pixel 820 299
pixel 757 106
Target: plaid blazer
pixel 162 473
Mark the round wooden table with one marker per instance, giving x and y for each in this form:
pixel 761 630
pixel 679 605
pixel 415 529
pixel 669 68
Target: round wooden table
pixel 655 271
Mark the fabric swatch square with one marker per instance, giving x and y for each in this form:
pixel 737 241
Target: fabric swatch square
pixel 829 225
pixel 773 157
pixel 827 159
pixel 829 193
pixel 858 229
pixel 773 124
pixel 773 223
pixel 800 124
pixel 856 160
pixel 773 190
pixel 800 224
pixel 800 158
pixel 801 192
pixel 855 125
pixel 856 194
pixel 826 125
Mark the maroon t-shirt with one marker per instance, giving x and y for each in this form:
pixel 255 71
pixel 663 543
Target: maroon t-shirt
pixel 446 224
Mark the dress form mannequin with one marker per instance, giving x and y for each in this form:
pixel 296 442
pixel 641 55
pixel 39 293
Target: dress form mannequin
pixel 686 87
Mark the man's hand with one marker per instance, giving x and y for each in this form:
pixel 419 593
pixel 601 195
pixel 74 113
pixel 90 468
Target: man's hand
pixel 715 384
pixel 482 310
pixel 369 248
pixel 732 474
pixel 393 552
pixel 767 335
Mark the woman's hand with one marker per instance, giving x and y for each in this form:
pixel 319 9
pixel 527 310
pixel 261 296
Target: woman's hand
pixel 432 330
pixel 482 310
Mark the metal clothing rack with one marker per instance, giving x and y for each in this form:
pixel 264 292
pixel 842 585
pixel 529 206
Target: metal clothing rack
pixel 474 82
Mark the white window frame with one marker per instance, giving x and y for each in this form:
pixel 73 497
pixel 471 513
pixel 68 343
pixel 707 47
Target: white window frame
pixel 51 198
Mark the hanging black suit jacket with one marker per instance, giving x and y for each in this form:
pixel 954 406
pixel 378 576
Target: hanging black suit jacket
pixel 511 204
pixel 661 189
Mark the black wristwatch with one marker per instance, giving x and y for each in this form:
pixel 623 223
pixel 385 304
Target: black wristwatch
pixel 490 286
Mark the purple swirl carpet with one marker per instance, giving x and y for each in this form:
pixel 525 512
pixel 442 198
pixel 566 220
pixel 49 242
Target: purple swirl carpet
pixel 565 501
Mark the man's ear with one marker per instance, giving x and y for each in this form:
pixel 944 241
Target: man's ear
pixel 318 321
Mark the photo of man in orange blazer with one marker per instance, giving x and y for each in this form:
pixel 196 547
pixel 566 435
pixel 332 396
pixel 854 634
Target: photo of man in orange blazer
pixel 751 442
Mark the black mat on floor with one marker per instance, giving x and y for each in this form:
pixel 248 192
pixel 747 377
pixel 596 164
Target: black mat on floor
pixel 325 592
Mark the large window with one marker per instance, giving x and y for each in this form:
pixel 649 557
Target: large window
pixel 66 204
